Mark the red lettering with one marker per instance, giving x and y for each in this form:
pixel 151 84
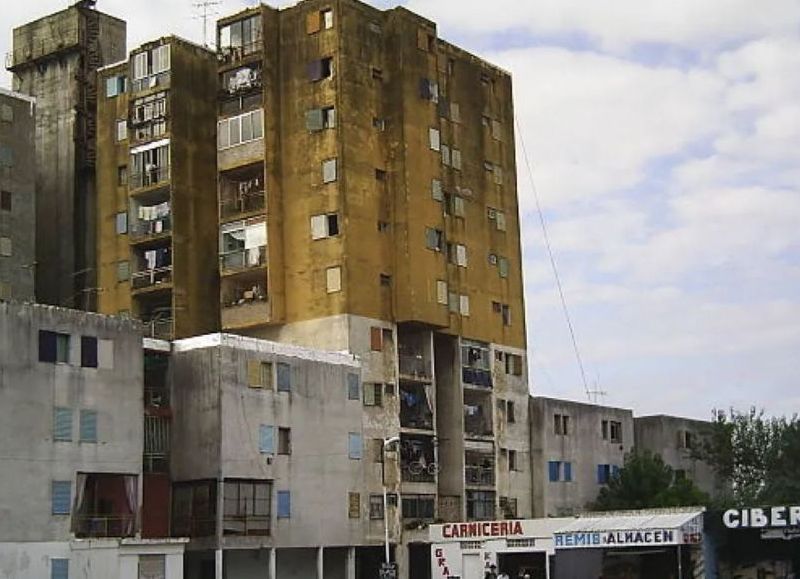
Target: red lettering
pixel 463 530
pixel 517 528
pixel 445 532
pixel 438 553
pixel 486 529
pixel 473 530
pixel 495 529
pixel 442 562
pixel 504 528
pixel 446 572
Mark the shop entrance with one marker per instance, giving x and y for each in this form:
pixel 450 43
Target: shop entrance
pixel 473 566
pixel 534 564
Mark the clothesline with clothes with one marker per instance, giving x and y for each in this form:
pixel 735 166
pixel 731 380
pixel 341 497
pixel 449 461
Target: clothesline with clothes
pixel 154 212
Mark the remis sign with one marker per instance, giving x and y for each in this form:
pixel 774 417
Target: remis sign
pixel 767 518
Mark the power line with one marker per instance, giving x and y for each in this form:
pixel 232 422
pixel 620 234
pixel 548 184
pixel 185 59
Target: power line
pixel 553 262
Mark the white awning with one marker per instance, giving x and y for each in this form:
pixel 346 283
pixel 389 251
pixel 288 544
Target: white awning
pixel 149 146
pixel 637 528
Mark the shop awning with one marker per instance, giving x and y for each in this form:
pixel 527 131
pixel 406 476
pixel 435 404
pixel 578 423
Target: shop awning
pixel 635 528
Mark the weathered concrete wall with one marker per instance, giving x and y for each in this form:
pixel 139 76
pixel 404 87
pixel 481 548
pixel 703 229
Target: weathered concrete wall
pixel 583 446
pixel 660 434
pixel 31 459
pixel 17 181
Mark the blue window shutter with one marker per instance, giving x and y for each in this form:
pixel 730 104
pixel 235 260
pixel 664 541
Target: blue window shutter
pixel 568 471
pixel 354 445
pixel 61 493
pixel 59 568
pixel 284 504
pixel 353 390
pixel 88 426
pixel 266 439
pixel 602 473
pixel 554 467
pixel 284 377
pixel 62 424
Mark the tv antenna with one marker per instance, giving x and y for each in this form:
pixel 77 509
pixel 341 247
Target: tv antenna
pixel 597 394
pixel 207 10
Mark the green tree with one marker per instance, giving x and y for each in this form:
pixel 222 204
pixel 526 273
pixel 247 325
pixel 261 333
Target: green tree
pixel 758 455
pixel 646 482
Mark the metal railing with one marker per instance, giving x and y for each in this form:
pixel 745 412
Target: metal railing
pixel 245 203
pixel 414 365
pixel 258 525
pixel 243 258
pixel 160 329
pixel 162 79
pixel 104 525
pixel 150 177
pixel 231 54
pixel 417 471
pixel 479 475
pixel 143 228
pixel 151 277
pixel 476 376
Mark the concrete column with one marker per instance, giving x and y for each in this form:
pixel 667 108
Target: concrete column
pixel 547 565
pixel 351 563
pixel 218 564
pixel 401 558
pixel 320 563
pixel 272 564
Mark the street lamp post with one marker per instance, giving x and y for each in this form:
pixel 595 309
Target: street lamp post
pixel 386 442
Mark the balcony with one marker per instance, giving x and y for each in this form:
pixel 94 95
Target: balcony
pixel 415 367
pixel 476 364
pixel 479 469
pixel 417 459
pixel 478 414
pixel 227 55
pixel 142 230
pixel 159 329
pixel 105 505
pixel 149 178
pixel 416 409
pixel 242 259
pixel 150 279
pixel 244 299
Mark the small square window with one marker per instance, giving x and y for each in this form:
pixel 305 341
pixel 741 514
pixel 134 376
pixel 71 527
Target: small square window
pixel 373 394
pixel 121 222
pixel 380 174
pixel 354 450
pixel 266 439
pixel 122 130
pixel 5 247
pixel 377 73
pixel 329 118
pixel 386 280
pixel 379 124
pixel 88 352
pixel 333 279
pixel 383 226
pixel 512 460
pixel 284 441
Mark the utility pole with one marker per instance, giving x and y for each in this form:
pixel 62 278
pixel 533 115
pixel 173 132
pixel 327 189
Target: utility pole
pixel 207 10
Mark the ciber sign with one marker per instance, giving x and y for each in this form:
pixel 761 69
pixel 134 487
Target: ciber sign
pixel 757 518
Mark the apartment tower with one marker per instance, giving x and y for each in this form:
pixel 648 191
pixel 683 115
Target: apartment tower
pixel 54 59
pixel 156 173
pixel 368 204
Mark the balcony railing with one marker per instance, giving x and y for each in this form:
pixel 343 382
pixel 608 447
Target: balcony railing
pixel 243 258
pixel 246 525
pixel 253 201
pixel 414 366
pixel 161 79
pixel 419 472
pixel 150 177
pixel 479 475
pixel 151 277
pixel 104 525
pixel 231 54
pixel 476 376
pixel 144 228
pixel 160 329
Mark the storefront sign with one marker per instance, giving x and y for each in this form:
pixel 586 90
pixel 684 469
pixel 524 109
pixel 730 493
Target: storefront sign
pixel 479 530
pixel 762 518
pixel 624 538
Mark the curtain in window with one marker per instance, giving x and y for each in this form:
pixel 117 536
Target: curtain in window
pixel 132 496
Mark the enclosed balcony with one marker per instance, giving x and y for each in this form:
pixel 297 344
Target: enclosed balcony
pixel 155 312
pixel 414 352
pixel 247 507
pixel 416 407
pixel 194 508
pixel 417 458
pixel 241 191
pixel 243 246
pixel 150 165
pixel 151 217
pixel 239 40
pixel 105 505
pixel 476 369
pixel 479 468
pixel 477 414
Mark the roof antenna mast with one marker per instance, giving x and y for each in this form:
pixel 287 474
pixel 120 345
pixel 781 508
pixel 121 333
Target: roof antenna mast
pixel 207 8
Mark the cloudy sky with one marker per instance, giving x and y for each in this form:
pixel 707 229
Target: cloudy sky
pixel 665 143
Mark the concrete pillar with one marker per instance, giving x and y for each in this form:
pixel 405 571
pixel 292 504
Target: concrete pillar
pixel 272 564
pixel 351 563
pixel 401 558
pixel 320 563
pixel 218 564
pixel 546 565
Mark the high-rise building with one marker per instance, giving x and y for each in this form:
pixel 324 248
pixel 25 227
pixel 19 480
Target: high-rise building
pixel 368 204
pixel 17 197
pixel 54 59
pixel 156 172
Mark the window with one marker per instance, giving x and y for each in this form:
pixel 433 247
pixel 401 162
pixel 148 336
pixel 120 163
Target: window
pixel 603 473
pixel 441 292
pixel 266 439
pixel 354 505
pixel 436 190
pixel 320 69
pixel 327 18
pixel 319 20
pixel 418 506
pixel 333 279
pixel 513 364
pixel 53 347
pixel 6 156
pixel 379 124
pixel 284 377
pixel 567 472
pixel 88 352
pixel 380 174
pixel 480 505
pixel 554 470
pixel 433 138
pixel 259 374
pixel 500 221
pixel 509 508
pixel 512 460
pixel 6 113
pixel 150 62
pixel 240 129
pixel 5 291
pixel 506 313
pixel 377 73
pixel 240 38
pixel 452 302
pixel 373 394
pixel 122 130
pixel 561 424
pixel 319 119
pixel 115 85
pixel 455 112
pixel 434 239
pixel 88 425
pixel 5 200
pixel 5 247
pixel 123 271
pixel 329 171
pixel 122 175
pixel 510 415
pixel 284 441
pixel 121 222
pixel 62 424
pixel 383 226
pixel 323 226
pixel 247 506
pixel 616 431
pixel 376 507
pixel 502 266
pixel 377 450
pixel 456 159
pixel 59 568
pixel 376 339
pixel 60 495
pixel 458 206
pixel 353 386
pixel 463 305
pixel 685 439
pixel 385 280
pixel 284 504
pixel 461 255
pixel 428 90
pixel 446 155
pixel 354 450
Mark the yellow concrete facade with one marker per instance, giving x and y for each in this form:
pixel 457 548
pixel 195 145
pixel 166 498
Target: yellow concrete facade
pixel 386 172
pixel 156 173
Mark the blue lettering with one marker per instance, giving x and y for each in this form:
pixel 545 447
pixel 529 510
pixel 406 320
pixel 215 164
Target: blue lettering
pixel 559 540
